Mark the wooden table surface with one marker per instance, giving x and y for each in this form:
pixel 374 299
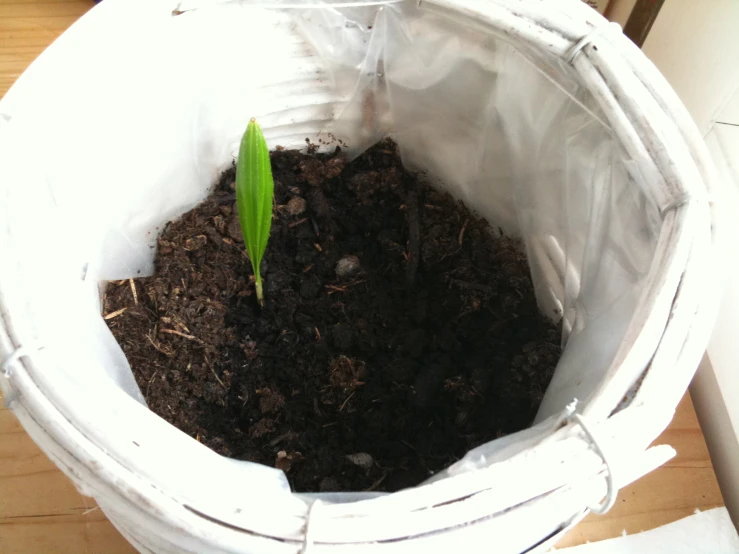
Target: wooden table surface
pixel 41 511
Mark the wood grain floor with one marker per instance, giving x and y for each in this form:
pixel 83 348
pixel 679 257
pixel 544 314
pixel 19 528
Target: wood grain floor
pixel 41 511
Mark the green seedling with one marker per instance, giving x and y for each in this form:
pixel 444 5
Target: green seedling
pixel 254 191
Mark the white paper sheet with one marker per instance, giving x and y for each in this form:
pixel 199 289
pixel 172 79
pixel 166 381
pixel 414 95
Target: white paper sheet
pixel 710 532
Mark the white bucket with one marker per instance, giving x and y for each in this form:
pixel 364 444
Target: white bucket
pixel 537 114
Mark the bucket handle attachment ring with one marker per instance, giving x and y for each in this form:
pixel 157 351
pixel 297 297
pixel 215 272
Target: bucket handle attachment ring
pixel 7 365
pixel 612 490
pixel 611 27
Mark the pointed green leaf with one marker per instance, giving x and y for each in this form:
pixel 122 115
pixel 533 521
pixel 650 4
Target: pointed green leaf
pixel 254 192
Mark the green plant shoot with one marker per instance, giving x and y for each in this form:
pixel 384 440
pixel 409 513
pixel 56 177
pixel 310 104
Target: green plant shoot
pixel 254 191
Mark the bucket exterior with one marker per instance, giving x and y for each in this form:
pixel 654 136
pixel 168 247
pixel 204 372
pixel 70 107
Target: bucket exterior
pixel 69 384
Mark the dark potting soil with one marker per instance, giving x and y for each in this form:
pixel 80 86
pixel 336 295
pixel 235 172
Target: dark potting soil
pixel 399 329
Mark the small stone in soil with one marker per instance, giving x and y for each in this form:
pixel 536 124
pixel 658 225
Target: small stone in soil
pixel 347 267
pixel 361 460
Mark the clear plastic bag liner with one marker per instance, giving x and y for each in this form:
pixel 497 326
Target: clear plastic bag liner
pixel 511 134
